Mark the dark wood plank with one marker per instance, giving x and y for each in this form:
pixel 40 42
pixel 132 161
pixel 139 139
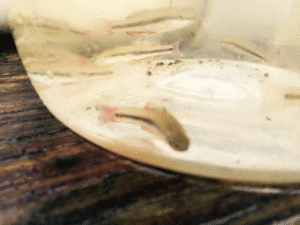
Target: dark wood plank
pixel 50 175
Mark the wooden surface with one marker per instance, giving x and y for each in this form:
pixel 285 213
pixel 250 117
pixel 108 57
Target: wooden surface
pixel 50 175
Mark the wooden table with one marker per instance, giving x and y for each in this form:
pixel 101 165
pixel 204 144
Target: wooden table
pixel 50 175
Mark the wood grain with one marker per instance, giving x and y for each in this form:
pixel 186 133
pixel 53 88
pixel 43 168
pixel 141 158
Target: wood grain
pixel 50 175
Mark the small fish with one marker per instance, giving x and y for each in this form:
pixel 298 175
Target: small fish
pixel 42 22
pixel 139 34
pixel 132 52
pixel 169 12
pixel 154 21
pixel 43 59
pixel 149 118
pixel 244 48
pixel 279 96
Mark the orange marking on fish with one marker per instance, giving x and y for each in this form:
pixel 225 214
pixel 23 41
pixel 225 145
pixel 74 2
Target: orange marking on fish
pixel 82 61
pixel 149 105
pixel 131 33
pixel 174 50
pixel 87 35
pixel 110 30
pixel 149 130
pixel 134 34
pixel 110 114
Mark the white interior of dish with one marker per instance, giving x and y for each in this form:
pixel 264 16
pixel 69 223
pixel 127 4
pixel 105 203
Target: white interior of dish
pixel 234 113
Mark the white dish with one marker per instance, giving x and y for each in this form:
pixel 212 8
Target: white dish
pixel 241 126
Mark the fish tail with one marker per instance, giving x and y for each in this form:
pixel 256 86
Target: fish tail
pixel 149 105
pixel 175 47
pixel 107 114
pixel 110 31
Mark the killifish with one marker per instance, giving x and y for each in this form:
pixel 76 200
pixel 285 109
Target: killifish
pixel 244 48
pixel 277 96
pixel 138 33
pixel 46 58
pixel 158 119
pixel 154 21
pixel 42 22
pixel 132 52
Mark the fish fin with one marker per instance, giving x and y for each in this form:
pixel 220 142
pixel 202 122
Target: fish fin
pixel 110 31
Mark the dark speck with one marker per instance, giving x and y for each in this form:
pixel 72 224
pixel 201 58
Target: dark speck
pixel 170 64
pixel 267 118
pixel 266 74
pixel 149 73
pixel 160 64
pixel 200 62
pixel 88 108
pixel 177 61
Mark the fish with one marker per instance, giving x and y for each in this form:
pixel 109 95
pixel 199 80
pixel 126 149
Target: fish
pixel 42 59
pixel 133 52
pixel 153 21
pixel 244 48
pixel 42 22
pixel 277 96
pixel 170 12
pixel 160 120
pixel 139 33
